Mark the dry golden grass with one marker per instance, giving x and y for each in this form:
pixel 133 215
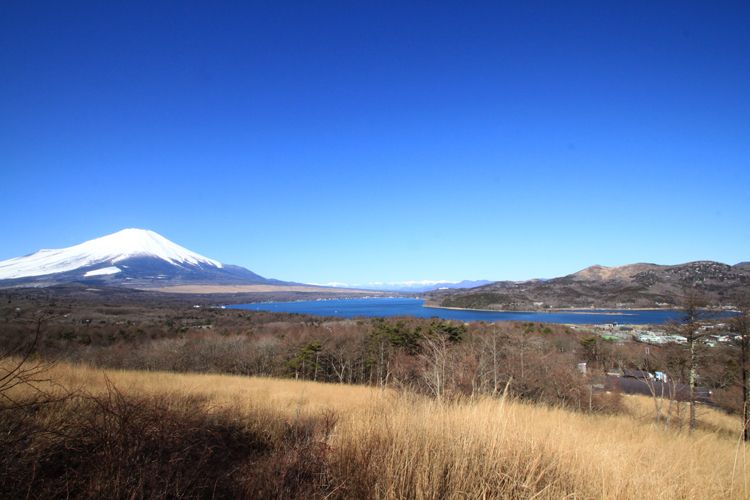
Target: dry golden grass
pixel 708 419
pixel 398 445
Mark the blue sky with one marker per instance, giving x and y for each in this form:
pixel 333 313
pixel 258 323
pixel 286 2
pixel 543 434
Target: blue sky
pixel 358 142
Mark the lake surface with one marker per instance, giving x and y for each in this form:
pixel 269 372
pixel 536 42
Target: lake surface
pixel 348 308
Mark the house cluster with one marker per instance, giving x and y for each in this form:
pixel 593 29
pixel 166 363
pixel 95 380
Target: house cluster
pixel 613 331
pixel 658 337
pixel 642 333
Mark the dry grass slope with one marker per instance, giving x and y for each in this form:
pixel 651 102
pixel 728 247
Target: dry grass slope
pixel 292 439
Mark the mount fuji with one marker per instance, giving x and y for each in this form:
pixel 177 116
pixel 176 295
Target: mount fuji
pixel 131 257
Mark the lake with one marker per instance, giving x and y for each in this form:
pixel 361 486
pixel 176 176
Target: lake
pixel 348 308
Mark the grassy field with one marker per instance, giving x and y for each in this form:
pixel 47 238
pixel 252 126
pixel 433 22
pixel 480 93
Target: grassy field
pixel 162 435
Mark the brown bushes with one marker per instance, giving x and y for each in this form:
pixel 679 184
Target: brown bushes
pixel 116 445
pixel 534 361
pixel 217 436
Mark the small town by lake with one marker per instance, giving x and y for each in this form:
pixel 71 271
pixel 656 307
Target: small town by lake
pixel 384 307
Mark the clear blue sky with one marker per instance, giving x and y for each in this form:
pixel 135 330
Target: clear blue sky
pixel 392 141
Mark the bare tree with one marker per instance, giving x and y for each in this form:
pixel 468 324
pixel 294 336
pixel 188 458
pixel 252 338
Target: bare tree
pixel 492 356
pixel 21 368
pixel 380 356
pixel 693 312
pixel 521 348
pixel 16 366
pixel 741 327
pixel 665 386
pixel 435 356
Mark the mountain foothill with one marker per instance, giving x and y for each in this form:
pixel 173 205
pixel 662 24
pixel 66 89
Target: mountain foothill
pixel 139 259
pixel 635 286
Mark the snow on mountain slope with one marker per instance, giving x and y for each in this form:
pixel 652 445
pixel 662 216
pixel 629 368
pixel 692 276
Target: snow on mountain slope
pixel 116 247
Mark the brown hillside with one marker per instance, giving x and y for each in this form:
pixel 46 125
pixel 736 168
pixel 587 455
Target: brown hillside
pixel 635 286
pixel 601 273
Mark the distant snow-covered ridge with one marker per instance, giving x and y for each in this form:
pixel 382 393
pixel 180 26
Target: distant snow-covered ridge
pixel 408 286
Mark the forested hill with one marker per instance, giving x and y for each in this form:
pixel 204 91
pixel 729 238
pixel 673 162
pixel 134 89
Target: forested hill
pixel 631 286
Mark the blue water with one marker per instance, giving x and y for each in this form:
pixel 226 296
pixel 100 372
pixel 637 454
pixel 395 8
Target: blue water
pixel 348 308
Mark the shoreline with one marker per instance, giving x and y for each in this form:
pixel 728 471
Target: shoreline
pixel 609 312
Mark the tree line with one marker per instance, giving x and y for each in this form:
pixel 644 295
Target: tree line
pixel 532 361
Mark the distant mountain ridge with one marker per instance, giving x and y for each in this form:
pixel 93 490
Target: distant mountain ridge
pixel 631 286
pixel 138 258
pixel 411 286
pixel 131 257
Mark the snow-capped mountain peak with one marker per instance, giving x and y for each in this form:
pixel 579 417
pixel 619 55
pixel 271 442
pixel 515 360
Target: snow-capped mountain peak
pixel 117 247
pixel 144 243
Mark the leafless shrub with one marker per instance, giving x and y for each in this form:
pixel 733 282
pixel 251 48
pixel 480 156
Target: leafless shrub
pixel 19 363
pixel 121 446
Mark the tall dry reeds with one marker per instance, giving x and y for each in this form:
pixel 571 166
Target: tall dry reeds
pixel 160 435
